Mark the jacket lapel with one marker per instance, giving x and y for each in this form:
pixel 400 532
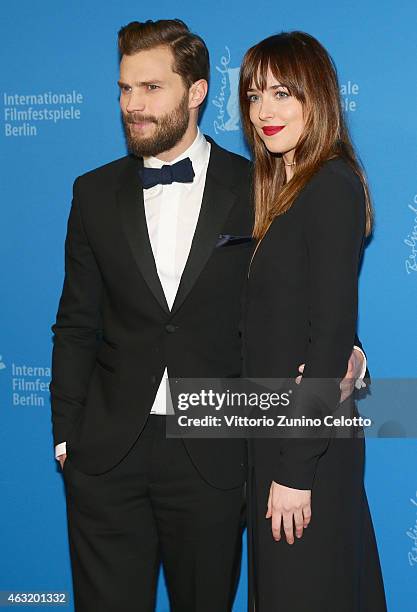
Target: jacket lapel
pixel 218 199
pixel 130 200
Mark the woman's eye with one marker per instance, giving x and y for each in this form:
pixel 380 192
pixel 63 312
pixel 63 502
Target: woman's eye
pixel 253 98
pixel 282 94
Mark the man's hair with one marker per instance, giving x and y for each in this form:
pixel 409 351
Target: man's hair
pixel 191 57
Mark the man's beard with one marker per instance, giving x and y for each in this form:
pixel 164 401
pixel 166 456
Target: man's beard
pixel 170 128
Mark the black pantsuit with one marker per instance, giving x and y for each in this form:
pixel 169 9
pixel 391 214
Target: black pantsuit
pixel 301 307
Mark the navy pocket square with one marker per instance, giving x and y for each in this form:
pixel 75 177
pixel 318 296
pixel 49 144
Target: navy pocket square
pixel 229 240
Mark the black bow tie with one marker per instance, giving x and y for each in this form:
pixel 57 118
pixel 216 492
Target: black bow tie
pixel 181 172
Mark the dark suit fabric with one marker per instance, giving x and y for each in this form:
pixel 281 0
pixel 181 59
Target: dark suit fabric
pixel 152 507
pixel 113 337
pixel 301 307
pixel 114 333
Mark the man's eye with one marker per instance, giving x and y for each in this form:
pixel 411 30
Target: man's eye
pixel 125 88
pixel 152 87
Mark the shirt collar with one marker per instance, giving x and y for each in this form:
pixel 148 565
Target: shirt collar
pixel 198 152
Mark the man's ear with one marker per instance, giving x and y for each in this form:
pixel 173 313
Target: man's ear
pixel 197 93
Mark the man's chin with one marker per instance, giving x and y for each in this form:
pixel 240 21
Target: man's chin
pixel 142 147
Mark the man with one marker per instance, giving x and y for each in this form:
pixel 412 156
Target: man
pixel 157 253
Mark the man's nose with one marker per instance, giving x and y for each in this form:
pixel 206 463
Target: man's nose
pixel 136 102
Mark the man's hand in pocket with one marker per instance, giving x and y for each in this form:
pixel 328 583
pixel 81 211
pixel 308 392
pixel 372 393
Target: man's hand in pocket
pixel 61 459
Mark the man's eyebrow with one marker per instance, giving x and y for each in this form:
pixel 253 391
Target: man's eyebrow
pixel 139 83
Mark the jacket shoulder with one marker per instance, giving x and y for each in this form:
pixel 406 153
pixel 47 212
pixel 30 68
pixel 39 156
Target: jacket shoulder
pixel 334 196
pixel 108 173
pixel 234 158
pixel 338 173
pixel 230 168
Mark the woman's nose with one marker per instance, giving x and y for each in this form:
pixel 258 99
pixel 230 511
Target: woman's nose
pixel 265 111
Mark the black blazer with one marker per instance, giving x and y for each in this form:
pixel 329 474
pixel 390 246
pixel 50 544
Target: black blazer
pixel 301 302
pixel 114 333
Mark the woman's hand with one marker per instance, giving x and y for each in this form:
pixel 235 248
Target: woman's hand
pixel 291 507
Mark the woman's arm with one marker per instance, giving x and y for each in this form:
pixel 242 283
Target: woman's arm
pixel 334 225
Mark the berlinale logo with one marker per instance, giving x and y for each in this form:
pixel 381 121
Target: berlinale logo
pixel 226 101
pixel 411 241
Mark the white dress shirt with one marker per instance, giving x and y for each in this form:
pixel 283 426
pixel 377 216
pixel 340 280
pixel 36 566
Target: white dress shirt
pixel 171 215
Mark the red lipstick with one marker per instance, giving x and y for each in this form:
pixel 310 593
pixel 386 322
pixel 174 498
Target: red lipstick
pixel 270 130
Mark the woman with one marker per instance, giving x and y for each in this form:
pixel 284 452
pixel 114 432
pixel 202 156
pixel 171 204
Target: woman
pixel 312 213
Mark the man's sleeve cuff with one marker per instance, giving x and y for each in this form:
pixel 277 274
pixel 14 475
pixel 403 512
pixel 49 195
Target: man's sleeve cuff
pixel 60 449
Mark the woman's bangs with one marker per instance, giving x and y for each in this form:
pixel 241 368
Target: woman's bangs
pixel 271 60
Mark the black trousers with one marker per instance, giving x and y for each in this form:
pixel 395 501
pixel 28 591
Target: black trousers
pixel 152 507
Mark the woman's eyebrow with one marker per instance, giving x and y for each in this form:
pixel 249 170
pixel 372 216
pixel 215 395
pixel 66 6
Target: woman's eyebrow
pixel 270 87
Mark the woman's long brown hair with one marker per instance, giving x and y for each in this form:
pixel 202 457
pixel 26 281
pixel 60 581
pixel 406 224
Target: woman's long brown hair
pixel 300 63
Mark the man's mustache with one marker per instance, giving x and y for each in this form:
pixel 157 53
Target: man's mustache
pixel 137 118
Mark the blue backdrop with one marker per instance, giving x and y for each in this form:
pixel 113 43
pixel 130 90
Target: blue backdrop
pixel 61 118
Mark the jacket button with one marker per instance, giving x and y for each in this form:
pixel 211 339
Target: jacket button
pixel 170 328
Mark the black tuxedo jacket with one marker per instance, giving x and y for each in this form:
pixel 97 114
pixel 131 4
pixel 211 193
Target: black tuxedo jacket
pixel 114 333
